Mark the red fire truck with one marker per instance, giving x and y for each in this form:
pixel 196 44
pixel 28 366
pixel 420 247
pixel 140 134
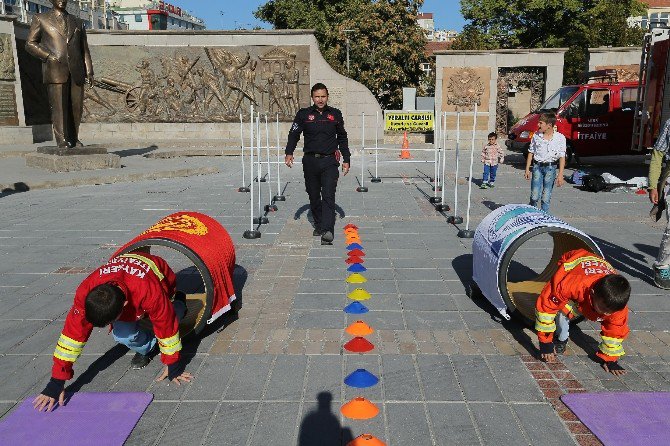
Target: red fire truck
pixel 596 117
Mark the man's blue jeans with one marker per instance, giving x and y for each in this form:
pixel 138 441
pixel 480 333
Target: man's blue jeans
pixel 135 338
pixel 541 184
pixel 489 173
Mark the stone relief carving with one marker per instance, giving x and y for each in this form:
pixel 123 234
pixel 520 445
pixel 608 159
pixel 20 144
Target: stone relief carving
pixel 517 79
pixel 6 58
pixel 465 88
pixel 625 73
pixel 210 84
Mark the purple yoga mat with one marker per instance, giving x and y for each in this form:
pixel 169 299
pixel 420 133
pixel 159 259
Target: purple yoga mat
pixel 622 419
pixel 87 419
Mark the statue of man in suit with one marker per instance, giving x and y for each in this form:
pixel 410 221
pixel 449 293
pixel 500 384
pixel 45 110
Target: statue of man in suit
pixel 59 40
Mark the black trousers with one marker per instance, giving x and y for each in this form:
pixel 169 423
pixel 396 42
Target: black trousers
pixel 321 176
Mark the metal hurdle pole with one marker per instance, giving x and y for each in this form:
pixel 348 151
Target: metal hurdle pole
pixel 244 187
pixel 362 187
pixel 376 178
pixel 270 207
pixel 279 196
pixel 456 219
pixel 261 220
pixel 443 207
pixel 437 136
pixel 467 232
pixel 251 233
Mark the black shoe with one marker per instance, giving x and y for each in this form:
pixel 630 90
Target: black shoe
pixel 140 361
pixel 559 346
pixel 327 238
pixel 317 232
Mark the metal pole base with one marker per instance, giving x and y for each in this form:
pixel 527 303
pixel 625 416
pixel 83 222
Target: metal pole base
pixel 439 189
pixel 455 220
pixel 279 198
pixel 375 180
pixel 261 221
pixel 271 208
pixel 442 207
pixel 244 189
pixel 435 200
pixel 432 180
pixel 251 235
pixel 361 189
pixel 463 233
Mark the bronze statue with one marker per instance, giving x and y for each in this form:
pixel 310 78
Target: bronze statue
pixel 59 40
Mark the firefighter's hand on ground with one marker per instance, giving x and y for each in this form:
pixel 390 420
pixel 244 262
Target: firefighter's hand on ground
pixel 614 368
pixel 185 377
pixel 526 174
pixel 46 402
pixel 653 196
pixel 288 160
pixel 548 357
pixel 345 168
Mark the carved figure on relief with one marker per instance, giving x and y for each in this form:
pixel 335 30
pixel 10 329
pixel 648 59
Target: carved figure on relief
pixel 292 86
pixel 465 89
pixel 6 59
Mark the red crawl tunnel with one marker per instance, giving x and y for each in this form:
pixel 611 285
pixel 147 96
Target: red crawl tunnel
pixel 208 246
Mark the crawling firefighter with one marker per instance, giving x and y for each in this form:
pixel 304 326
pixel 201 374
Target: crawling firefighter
pixel 586 285
pixel 121 292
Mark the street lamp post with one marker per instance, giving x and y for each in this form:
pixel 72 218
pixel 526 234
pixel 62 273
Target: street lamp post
pixel 346 31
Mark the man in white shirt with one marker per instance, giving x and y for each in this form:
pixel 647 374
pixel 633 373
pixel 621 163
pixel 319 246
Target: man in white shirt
pixel 546 152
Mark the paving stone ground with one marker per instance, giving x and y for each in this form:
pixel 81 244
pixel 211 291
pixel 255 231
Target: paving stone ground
pixel 450 371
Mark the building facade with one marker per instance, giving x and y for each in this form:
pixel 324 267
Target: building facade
pixel 154 15
pixel 658 15
pixel 91 12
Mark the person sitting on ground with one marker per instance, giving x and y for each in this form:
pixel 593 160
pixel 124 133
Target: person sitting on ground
pixel 492 154
pixel 121 292
pixel 587 285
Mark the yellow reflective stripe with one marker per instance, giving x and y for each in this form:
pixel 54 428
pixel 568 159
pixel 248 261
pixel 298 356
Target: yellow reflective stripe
pixel 170 345
pixel 67 348
pixel 66 355
pixel 571 265
pixel 149 262
pixel 611 346
pixel 70 343
pixel 169 341
pixel 170 350
pixel 545 322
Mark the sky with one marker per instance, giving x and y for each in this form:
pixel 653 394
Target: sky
pixel 231 14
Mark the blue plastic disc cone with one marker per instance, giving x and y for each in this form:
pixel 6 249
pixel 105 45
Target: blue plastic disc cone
pixel 354 246
pixel 361 378
pixel 356 308
pixel 356 268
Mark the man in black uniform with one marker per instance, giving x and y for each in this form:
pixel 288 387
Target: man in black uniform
pixel 324 131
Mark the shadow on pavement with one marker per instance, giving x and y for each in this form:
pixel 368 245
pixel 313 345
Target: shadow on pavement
pixel 18 187
pixel 305 208
pixel 110 357
pixel 626 261
pixel 132 152
pixel 321 427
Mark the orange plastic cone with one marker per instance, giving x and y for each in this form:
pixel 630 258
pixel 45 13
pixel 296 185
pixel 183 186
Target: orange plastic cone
pixel 366 440
pixel 351 226
pixel 359 328
pixel 351 232
pixel 359 409
pixel 404 153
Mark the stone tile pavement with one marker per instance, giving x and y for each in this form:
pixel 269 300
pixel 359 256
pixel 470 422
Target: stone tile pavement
pixel 450 371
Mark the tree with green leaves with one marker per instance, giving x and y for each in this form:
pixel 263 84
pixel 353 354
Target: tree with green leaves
pixel 386 44
pixel 575 24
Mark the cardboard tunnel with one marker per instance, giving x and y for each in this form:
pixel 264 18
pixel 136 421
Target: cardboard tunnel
pixel 498 238
pixel 209 247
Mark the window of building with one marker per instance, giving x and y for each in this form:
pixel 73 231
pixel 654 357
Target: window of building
pixel 138 17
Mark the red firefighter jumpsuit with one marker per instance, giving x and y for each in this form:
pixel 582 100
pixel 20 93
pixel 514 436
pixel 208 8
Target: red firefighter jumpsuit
pixel 571 286
pixel 148 283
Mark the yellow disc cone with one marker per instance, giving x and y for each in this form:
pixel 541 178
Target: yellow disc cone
pixel 356 278
pixel 359 328
pixel 359 294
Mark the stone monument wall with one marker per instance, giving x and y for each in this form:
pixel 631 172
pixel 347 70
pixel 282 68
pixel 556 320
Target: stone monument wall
pixel 12 123
pixel 466 77
pixel 626 60
pixel 162 86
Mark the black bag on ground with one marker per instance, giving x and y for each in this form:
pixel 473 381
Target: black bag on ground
pixel 594 183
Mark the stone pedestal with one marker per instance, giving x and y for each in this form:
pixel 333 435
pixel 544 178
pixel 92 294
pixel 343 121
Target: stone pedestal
pixel 57 159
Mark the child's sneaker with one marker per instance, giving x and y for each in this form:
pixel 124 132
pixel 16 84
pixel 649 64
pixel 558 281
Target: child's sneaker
pixel 662 277
pixel 484 186
pixel 559 346
pixel 491 185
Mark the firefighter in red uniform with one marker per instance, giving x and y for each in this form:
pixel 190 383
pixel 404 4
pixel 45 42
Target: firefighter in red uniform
pixel 126 289
pixel 588 285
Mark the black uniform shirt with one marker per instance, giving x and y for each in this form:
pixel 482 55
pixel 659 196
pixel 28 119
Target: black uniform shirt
pixel 324 132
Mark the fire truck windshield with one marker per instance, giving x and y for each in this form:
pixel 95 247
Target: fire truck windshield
pixel 559 98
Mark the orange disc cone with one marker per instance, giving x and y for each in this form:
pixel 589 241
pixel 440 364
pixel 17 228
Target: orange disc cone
pixel 351 231
pixel 359 409
pixel 404 153
pixel 351 226
pixel 366 440
pixel 351 240
pixel 359 345
pixel 354 259
pixel 359 328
